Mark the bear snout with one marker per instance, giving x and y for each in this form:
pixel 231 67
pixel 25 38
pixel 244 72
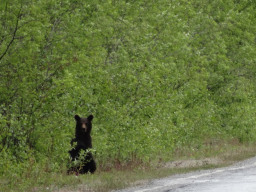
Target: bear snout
pixel 84 126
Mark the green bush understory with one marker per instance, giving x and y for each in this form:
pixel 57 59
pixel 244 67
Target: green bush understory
pixel 158 76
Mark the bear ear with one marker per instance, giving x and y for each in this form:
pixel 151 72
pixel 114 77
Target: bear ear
pixel 77 117
pixel 90 117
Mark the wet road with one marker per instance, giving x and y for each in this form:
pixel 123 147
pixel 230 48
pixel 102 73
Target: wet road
pixel 240 177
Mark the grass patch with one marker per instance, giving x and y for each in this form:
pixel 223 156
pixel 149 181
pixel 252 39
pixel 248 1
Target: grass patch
pixel 127 176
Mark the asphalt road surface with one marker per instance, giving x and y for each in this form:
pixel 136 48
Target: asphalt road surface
pixel 240 177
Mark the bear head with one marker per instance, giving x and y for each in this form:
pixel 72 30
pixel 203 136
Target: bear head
pixel 84 124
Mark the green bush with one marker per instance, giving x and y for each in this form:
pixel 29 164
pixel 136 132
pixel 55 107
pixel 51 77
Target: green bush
pixel 156 75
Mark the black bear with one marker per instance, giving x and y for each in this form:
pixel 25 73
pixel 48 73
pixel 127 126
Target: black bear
pixel 82 148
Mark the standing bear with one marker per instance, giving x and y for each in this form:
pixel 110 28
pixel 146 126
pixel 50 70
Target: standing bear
pixel 81 151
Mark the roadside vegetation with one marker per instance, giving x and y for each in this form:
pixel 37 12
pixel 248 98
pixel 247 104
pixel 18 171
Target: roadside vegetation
pixel 165 80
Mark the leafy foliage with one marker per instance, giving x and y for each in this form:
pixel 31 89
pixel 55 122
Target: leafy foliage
pixel 157 75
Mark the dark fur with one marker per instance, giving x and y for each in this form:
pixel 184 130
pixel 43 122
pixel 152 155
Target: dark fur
pixel 83 142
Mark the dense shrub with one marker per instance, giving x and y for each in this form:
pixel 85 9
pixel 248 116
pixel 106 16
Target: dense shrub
pixel 156 75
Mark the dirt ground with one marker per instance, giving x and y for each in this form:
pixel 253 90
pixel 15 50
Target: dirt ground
pixel 193 163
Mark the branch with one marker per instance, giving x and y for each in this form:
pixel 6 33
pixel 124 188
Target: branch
pixel 13 36
pixel 49 77
pixel 245 7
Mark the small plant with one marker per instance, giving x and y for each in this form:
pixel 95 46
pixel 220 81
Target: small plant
pixel 77 165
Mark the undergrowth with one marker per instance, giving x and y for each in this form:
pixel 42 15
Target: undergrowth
pixel 121 176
